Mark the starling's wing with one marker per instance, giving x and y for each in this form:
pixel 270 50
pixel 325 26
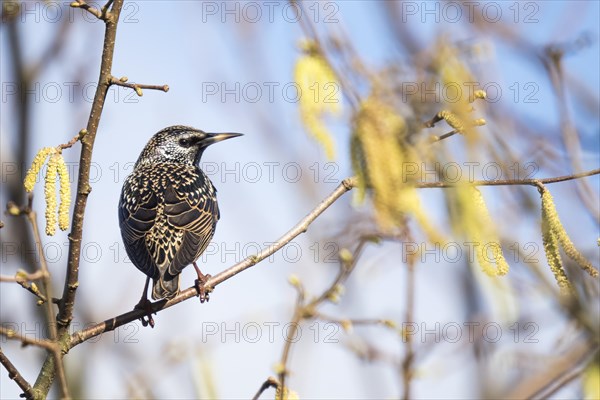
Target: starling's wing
pixel 137 215
pixel 191 207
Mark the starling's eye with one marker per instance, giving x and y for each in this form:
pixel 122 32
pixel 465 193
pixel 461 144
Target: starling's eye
pixel 185 142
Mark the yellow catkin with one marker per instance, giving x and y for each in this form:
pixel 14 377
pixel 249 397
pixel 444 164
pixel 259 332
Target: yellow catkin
pixel 36 166
pixel 453 72
pixel 479 227
pixel 591 380
pixel 452 120
pixel 65 194
pixel 319 95
pixel 287 394
pixel 478 94
pixel 550 216
pixel 553 256
pixel 50 194
pixel 455 122
pixel 381 158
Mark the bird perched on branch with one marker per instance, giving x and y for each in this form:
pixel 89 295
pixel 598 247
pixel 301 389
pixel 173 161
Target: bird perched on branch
pixel 168 209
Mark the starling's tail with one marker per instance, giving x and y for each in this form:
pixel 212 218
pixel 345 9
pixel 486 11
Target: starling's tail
pixel 165 288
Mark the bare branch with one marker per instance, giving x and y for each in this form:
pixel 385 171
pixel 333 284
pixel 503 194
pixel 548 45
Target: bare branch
pixel 113 323
pixel 16 376
pixel 509 182
pixel 83 185
pixel 434 139
pixel 535 385
pixel 75 139
pixel 407 366
pixel 50 313
pixel 137 87
pixel 85 6
pixel 269 383
pixel 25 280
pixel 282 367
pixel 21 276
pixel 349 183
pixel 12 335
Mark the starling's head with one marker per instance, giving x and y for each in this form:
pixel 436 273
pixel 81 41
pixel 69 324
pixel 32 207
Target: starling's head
pixel 179 144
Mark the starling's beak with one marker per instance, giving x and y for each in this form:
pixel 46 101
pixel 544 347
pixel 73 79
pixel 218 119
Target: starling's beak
pixel 217 137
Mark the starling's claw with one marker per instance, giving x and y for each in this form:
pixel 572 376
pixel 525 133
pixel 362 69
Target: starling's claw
pixel 145 305
pixel 203 291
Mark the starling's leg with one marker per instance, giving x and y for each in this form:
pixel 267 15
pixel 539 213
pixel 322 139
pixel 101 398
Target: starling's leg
pixel 202 291
pixel 145 304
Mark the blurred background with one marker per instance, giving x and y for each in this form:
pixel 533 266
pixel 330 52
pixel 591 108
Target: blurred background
pixel 415 319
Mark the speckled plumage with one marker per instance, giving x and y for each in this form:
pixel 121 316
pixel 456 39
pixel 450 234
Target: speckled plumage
pixel 168 209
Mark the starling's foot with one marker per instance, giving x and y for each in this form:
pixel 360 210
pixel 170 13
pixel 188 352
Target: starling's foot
pixel 203 292
pixel 145 305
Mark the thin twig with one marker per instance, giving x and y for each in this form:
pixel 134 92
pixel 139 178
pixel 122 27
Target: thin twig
pixel 21 276
pixel 304 311
pixel 310 30
pixel 434 139
pixel 352 321
pixel 289 341
pixel 409 356
pixel 15 375
pixel 12 335
pixel 25 280
pixel 533 385
pixel 106 7
pixel 346 267
pixel 570 135
pixel 512 182
pixel 47 288
pixel 75 139
pixel 85 6
pixel 137 87
pixel 568 377
pixel 269 383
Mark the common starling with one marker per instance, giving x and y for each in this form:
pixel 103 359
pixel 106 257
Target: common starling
pixel 168 209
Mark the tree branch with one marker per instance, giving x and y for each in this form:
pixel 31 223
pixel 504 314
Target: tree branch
pixel 92 10
pixel 52 363
pixel 346 185
pixel 270 382
pixel 49 306
pixel 16 376
pixel 282 367
pixel 12 335
pixel 509 182
pixel 535 385
pixel 113 323
pixel 25 280
pixel 137 87
pixel 83 184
